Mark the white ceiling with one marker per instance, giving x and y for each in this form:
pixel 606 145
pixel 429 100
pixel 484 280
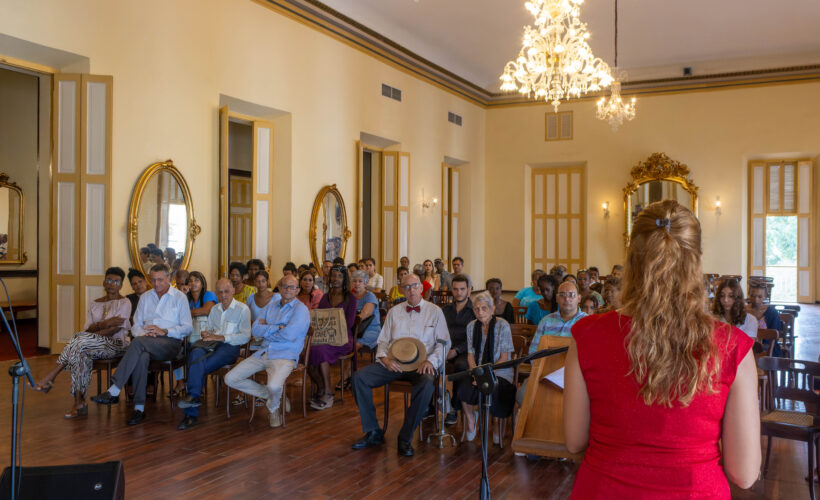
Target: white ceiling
pixel 475 38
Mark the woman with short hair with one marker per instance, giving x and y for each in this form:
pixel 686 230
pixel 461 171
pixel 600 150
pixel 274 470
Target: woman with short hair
pixel 104 336
pixel 548 303
pixel 729 307
pixel 503 309
pixel 662 397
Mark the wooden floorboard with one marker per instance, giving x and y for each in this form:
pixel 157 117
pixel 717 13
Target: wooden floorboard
pixel 311 458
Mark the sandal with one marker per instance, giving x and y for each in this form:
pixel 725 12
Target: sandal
pixel 323 404
pixel 238 400
pixel 77 412
pixel 44 388
pixel 347 385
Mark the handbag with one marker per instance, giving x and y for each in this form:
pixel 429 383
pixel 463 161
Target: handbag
pixel 208 345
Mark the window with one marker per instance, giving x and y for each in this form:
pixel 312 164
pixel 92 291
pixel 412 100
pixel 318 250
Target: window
pixel 559 126
pixel 558 204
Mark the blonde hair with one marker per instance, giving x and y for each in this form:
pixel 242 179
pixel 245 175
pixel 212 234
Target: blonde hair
pixel 670 343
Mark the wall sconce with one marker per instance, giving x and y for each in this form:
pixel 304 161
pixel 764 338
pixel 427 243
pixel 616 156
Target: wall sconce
pixel 605 206
pixel 717 206
pixel 425 203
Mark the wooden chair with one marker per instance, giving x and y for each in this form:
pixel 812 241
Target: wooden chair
pixel 521 346
pixel 169 366
pixel 441 298
pixel 787 336
pixel 520 315
pixel 219 377
pixel 523 330
pixel 791 380
pixel 770 335
pixel 108 365
pixel 406 388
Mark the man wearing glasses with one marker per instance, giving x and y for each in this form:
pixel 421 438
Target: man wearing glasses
pixel 560 322
pixel 282 329
pixel 424 322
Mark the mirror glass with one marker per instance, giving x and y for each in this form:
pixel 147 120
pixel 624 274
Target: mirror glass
pixel 653 191
pixel 328 232
pixel 10 206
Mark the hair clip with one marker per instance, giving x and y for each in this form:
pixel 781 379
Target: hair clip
pixel 665 223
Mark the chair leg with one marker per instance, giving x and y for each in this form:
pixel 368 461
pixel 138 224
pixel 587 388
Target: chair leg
pixel 304 393
pixel 228 400
pixel 282 403
pixel 810 445
pixel 171 384
pixel 342 377
pixel 768 453
pixel 216 391
pixel 386 406
pixel 253 406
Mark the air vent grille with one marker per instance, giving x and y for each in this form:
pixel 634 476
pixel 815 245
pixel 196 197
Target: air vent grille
pixel 391 92
pixel 454 118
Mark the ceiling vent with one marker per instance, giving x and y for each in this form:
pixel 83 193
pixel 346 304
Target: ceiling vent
pixel 392 93
pixel 454 118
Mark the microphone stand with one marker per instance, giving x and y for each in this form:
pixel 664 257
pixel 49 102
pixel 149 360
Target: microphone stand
pixel 486 382
pixel 16 371
pixel 441 435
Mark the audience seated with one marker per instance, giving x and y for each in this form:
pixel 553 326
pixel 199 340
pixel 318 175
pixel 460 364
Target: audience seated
pixel 161 324
pixel 588 304
pixel 430 275
pixel 558 272
pixel 227 329
pixel 611 294
pixel 584 281
pixel 253 266
pixel 530 294
pixel 765 313
pixel 729 307
pixel 410 335
pixel 458 315
pixel 445 278
pixel 139 286
pixel 181 280
pixel 375 282
pixel 502 308
pixel 259 300
pixel 352 268
pixel 548 303
pixel 236 273
pixel 322 356
pixel 489 340
pixel 617 271
pixel 282 327
pixel 200 300
pixel 458 268
pixel 426 287
pixel 309 295
pixel 104 336
pixel 660 382
pixel 438 266
pixel 321 281
pixel 570 277
pixel 395 296
pixel 367 310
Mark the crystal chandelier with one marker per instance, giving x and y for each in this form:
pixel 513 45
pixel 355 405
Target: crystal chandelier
pixel 555 61
pixel 615 110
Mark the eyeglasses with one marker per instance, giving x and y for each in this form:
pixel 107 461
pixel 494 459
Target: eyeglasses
pixel 112 282
pixel 290 287
pixel 567 295
pixel 411 286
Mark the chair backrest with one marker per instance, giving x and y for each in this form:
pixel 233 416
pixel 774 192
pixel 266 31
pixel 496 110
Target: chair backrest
pixel 769 334
pixel 441 298
pixel 523 330
pixel 306 348
pixel 787 324
pixel 521 345
pixel 791 380
pixel 520 314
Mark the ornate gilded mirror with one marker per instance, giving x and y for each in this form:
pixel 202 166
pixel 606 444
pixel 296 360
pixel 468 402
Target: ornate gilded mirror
pixel 161 219
pixel 11 222
pixel 328 226
pixel 655 179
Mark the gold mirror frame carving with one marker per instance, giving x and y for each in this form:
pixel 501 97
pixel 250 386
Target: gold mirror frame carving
pixel 22 256
pixel 314 216
pixel 658 167
pixel 136 201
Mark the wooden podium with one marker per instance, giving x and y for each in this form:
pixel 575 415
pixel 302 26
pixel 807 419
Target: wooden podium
pixel 540 426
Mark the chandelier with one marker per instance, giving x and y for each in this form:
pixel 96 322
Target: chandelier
pixel 555 61
pixel 615 110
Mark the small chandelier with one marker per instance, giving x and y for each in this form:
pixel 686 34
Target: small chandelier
pixel 614 110
pixel 555 61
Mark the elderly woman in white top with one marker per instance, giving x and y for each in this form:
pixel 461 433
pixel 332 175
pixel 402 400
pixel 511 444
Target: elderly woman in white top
pixel 104 336
pixel 489 340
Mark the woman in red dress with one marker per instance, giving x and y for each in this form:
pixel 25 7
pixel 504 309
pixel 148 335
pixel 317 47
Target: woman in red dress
pixel 662 397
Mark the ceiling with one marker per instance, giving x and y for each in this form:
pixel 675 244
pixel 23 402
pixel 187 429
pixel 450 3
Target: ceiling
pixel 475 38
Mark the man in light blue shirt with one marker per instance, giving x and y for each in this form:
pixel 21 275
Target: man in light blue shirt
pixel 560 322
pixel 229 328
pixel 161 322
pixel 282 330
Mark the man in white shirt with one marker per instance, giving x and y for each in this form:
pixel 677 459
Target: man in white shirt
pixel 228 328
pixel 419 320
pixel 376 282
pixel 162 321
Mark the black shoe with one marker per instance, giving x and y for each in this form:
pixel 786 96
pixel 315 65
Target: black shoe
pixel 405 449
pixel 370 439
pixel 105 399
pixel 136 417
pixel 187 423
pixel 189 402
pixel 451 418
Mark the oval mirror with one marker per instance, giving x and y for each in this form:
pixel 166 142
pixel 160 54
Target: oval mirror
pixel 655 179
pixel 11 222
pixel 328 226
pixel 161 224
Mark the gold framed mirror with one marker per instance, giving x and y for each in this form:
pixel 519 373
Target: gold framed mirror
pixel 328 226
pixel 161 215
pixel 11 223
pixel 654 179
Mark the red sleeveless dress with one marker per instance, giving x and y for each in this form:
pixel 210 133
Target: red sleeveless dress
pixel 637 451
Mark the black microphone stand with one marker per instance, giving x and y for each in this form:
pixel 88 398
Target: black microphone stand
pixel 486 382
pixel 16 371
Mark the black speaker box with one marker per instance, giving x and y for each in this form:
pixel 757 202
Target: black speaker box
pixel 67 482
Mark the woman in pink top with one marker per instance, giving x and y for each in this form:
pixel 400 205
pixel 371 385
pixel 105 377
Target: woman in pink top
pixel 309 295
pixel 662 397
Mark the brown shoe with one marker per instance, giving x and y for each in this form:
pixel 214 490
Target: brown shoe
pixel 77 412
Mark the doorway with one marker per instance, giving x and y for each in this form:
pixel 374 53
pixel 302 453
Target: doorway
pixel 371 180
pixel 781 256
pixel 240 210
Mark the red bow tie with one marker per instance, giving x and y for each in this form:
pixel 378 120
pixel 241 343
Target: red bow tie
pixel 417 309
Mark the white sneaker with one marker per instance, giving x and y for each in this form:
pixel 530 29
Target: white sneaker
pixel 275 419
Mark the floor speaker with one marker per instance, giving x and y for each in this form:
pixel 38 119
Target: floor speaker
pixel 68 482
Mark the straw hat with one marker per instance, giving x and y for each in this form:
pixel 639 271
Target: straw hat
pixel 408 352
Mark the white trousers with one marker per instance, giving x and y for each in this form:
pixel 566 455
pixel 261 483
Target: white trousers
pixel 278 370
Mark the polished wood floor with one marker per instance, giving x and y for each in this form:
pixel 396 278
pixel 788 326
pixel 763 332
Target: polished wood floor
pixel 309 458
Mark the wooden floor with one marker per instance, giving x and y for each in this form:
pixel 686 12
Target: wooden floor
pixel 309 458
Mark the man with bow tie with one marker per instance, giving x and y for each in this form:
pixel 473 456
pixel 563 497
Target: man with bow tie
pixel 418 320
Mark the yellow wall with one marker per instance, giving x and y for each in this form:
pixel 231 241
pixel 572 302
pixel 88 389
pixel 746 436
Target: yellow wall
pixel 715 133
pixel 172 60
